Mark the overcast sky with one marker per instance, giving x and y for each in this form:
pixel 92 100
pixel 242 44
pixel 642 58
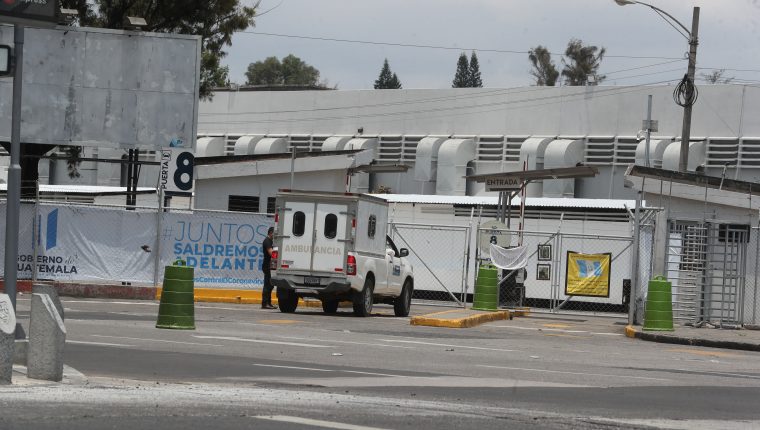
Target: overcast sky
pixel 729 38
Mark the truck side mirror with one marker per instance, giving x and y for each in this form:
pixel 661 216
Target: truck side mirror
pixel 403 252
pixel 5 60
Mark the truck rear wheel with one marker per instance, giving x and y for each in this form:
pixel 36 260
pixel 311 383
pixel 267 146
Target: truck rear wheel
pixel 403 303
pixel 288 301
pixel 363 299
pixel 330 306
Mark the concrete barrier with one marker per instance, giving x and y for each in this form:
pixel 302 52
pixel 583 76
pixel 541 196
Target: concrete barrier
pixel 7 339
pixel 51 291
pixel 47 338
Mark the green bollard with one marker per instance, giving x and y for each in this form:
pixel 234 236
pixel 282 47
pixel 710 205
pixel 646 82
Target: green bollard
pixel 177 307
pixel 659 311
pixel 486 289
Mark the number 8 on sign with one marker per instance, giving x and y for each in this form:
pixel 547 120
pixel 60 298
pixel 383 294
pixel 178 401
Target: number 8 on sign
pixel 177 171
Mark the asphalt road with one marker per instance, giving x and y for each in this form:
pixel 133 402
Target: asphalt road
pixel 244 367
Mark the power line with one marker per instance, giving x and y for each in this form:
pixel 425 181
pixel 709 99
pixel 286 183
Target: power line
pixel 510 104
pixel 450 48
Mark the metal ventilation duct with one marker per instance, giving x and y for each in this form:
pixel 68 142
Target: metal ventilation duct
pixel 453 156
pixel 271 145
pixel 562 153
pixel 335 143
pixel 360 182
pixel 246 144
pixel 656 150
pixel 210 147
pixel 672 154
pixel 532 151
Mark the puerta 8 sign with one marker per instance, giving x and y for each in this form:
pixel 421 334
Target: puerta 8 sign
pixel 29 10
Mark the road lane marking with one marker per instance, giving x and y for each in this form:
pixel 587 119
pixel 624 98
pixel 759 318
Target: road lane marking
pixel 274 342
pixel 556 330
pixel 705 353
pixel 448 345
pixel 280 321
pixel 557 325
pixel 156 340
pixel 293 367
pixel 710 373
pixel 100 302
pixel 373 373
pixel 346 341
pixel 84 342
pixel 315 423
pixel 570 373
pixel 330 370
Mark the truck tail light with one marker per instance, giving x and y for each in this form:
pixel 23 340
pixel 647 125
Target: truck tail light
pixel 351 266
pixel 273 261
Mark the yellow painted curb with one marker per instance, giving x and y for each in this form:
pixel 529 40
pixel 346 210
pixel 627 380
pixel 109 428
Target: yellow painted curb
pixel 630 331
pixel 251 297
pixel 520 312
pixel 466 322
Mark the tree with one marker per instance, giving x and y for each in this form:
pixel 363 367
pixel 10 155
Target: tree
pixel 387 79
pixel 214 21
pixel 716 77
pixel 290 71
pixel 544 70
pixel 462 75
pixel 474 79
pixel 582 62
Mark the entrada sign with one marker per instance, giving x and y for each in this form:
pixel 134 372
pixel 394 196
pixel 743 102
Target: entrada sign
pixel 27 11
pixel 503 183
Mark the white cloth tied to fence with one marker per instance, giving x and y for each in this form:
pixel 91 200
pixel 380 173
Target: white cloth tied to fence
pixel 509 258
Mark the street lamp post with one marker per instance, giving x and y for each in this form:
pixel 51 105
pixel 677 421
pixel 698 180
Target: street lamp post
pixel 687 96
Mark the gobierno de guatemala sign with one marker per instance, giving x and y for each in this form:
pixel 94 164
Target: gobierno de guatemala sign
pixel 29 11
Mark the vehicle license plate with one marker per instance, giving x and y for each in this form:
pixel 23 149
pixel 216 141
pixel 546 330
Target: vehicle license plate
pixel 310 280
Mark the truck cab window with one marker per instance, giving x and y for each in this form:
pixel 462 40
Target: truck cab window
pixel 299 223
pixel 331 226
pixel 371 226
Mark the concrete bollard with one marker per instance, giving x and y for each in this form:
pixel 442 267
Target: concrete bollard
pixel 7 339
pixel 47 338
pixel 51 291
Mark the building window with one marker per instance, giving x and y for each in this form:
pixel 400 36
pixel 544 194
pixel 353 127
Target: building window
pixel 243 204
pixel 271 205
pixel 299 223
pixel 371 226
pixel 331 226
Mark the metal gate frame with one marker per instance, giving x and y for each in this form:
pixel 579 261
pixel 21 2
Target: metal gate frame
pixel 460 301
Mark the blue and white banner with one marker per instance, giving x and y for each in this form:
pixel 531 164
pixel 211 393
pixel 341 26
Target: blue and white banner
pixel 112 245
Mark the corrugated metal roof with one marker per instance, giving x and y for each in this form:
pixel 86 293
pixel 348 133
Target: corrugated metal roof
pixel 493 201
pixel 84 189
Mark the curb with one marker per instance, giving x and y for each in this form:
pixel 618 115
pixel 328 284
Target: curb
pixel 633 332
pixel 248 297
pixel 470 321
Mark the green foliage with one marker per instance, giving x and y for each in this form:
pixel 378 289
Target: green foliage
pixel 462 75
pixel 544 69
pixel 290 71
pixel 473 79
pixel 214 21
pixel 387 79
pixel 582 62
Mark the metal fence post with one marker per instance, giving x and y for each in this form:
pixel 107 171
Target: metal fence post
pixel 633 301
pixel 36 231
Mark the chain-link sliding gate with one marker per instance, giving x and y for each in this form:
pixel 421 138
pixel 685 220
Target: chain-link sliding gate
pixel 543 285
pixel 706 263
pixel 440 256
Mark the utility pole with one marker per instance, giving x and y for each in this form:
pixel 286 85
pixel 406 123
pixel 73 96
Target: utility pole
pixel 683 162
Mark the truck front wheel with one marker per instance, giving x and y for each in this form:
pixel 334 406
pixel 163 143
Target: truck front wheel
pixel 363 299
pixel 403 303
pixel 287 300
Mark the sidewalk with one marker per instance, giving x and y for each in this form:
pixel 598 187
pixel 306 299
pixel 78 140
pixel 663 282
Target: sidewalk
pixel 741 339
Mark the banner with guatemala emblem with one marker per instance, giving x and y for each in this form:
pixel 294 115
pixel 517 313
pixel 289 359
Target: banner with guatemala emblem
pixel 588 274
pixel 77 243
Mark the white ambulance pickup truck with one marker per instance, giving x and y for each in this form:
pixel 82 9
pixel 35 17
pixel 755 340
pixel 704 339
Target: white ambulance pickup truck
pixel 333 246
